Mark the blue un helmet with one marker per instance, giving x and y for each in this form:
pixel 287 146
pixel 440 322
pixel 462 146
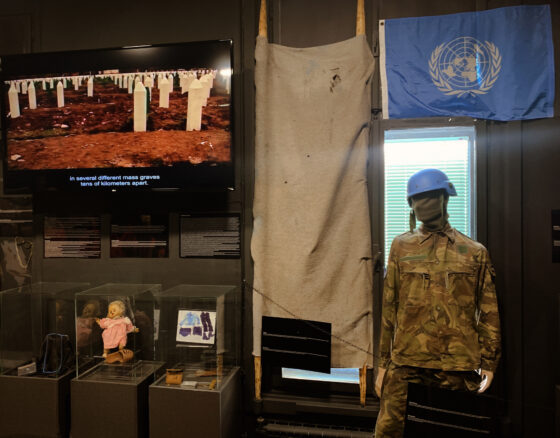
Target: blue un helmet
pixel 427 180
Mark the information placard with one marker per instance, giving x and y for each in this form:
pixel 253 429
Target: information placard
pixel 72 237
pixel 216 236
pixel 140 235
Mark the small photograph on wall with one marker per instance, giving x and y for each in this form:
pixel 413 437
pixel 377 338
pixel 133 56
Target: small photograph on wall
pixel 196 326
pixel 140 235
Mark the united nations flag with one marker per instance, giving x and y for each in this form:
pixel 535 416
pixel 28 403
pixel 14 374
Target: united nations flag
pixel 495 64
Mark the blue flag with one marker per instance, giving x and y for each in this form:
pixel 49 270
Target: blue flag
pixel 496 64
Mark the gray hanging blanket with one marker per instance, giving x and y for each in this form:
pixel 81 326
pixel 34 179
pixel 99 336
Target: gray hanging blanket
pixel 311 242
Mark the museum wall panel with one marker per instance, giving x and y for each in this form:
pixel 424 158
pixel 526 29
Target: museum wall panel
pixel 521 176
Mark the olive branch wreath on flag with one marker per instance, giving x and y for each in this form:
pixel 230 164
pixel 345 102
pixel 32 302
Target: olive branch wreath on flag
pixel 443 86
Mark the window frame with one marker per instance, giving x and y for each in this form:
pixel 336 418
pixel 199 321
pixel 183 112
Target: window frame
pixel 376 189
pixel 435 132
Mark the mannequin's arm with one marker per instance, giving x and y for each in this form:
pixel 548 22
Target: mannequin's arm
pixel 379 381
pixel 388 320
pixel 488 326
pixel 485 383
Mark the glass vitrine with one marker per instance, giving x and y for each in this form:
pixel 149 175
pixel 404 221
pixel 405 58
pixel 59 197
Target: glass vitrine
pixel 115 329
pixel 37 329
pixel 197 335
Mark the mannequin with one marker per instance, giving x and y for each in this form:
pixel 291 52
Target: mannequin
pixel 440 318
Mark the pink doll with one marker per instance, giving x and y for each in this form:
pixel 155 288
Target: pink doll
pixel 116 327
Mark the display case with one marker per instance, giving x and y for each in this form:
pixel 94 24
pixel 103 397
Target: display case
pixel 115 329
pixel 198 338
pixel 113 318
pixel 37 360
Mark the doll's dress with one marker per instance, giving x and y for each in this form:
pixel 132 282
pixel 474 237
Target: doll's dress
pixel 115 331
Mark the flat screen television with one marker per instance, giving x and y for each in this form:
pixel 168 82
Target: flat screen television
pixel 132 118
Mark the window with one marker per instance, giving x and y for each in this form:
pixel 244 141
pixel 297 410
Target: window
pixel 407 151
pixel 337 375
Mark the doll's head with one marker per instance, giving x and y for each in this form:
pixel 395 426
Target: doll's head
pixel 90 309
pixel 116 309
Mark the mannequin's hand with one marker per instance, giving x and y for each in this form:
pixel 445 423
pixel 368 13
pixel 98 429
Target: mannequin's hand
pixel 487 377
pixel 379 381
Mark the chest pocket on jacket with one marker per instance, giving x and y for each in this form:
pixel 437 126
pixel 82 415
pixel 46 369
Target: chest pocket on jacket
pixel 415 286
pixel 460 282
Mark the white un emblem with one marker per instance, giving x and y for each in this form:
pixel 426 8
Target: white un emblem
pixel 465 66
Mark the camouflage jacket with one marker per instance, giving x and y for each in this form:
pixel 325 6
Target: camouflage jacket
pixel 439 303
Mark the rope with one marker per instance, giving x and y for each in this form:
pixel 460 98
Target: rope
pixel 293 315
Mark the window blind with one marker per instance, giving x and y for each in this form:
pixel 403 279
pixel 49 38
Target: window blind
pixel 408 151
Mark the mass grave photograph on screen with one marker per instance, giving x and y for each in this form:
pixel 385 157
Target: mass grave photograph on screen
pixel 152 116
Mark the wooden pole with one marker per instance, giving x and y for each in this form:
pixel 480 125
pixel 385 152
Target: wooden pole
pixel 220 366
pixel 363 385
pixel 360 19
pixel 258 375
pixel 263 31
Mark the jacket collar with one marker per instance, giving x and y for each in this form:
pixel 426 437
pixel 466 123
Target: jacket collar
pixel 447 230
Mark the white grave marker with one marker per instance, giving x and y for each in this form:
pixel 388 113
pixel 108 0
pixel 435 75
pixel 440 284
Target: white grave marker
pixel 90 86
pixel 31 96
pixel 190 78
pixel 149 82
pixel 182 82
pixel 171 80
pixel 210 77
pixel 24 87
pixel 194 109
pixel 60 94
pixel 205 82
pixel 14 101
pixel 164 93
pixel 139 107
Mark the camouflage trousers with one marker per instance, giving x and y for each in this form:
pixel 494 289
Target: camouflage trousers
pixel 390 421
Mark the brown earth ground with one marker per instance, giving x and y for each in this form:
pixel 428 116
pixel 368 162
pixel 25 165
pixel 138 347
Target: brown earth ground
pixel 96 132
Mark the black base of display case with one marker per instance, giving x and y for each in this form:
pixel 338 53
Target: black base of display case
pixel 35 406
pixel 105 407
pixel 176 411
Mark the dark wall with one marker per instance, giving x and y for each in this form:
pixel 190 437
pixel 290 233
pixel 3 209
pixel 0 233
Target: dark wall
pixel 69 26
pixel 518 168
pixel 518 183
